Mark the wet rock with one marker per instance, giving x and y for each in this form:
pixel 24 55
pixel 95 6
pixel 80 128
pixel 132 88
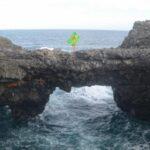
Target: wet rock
pixel 133 99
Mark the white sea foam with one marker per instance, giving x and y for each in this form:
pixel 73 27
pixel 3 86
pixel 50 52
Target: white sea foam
pixel 48 48
pixel 53 49
pixel 94 94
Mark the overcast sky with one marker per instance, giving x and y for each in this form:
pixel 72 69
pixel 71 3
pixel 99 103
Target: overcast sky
pixel 72 14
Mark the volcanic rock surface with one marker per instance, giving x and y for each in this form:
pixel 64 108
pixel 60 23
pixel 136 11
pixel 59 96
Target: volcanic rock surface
pixel 27 78
pixel 139 36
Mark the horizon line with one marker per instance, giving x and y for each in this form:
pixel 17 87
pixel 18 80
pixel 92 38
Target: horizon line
pixel 65 29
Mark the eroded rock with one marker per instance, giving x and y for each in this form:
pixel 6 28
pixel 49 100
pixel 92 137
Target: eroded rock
pixel 139 36
pixel 27 78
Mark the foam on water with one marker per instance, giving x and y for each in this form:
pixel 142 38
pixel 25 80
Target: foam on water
pixel 84 119
pixel 87 118
pixel 48 48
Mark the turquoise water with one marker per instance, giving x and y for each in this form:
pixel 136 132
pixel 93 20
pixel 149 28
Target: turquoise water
pixel 87 118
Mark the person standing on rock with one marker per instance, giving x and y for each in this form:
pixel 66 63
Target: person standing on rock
pixel 73 40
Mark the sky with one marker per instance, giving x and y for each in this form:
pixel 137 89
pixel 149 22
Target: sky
pixel 72 14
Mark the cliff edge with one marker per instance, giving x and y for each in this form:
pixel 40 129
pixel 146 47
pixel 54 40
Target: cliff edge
pixel 139 36
pixel 27 78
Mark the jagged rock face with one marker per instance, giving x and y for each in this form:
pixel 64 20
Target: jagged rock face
pixel 26 99
pixel 139 36
pixel 134 99
pixel 27 78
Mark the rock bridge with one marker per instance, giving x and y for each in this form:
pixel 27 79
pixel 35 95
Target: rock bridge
pixel 27 78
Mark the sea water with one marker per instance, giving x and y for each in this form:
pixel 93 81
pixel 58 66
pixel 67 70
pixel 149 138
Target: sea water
pixel 87 118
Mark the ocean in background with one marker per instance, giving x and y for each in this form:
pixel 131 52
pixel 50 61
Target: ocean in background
pixel 87 118
pixel 89 39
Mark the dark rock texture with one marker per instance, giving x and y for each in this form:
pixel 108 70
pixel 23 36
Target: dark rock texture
pixel 139 36
pixel 27 78
pixel 134 99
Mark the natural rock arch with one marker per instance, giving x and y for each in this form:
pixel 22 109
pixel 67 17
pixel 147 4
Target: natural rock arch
pixel 27 78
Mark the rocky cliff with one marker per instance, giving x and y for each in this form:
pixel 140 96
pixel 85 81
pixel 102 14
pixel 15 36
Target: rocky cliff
pixel 139 36
pixel 27 78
